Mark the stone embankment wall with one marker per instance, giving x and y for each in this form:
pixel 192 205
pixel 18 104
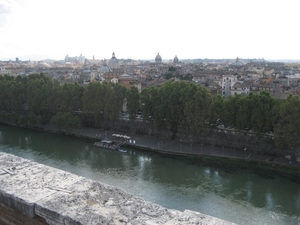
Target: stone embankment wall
pixel 35 194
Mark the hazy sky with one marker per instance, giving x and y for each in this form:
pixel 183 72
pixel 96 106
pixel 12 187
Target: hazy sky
pixel 139 29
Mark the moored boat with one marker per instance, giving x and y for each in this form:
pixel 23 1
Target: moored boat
pixel 107 145
pixel 122 150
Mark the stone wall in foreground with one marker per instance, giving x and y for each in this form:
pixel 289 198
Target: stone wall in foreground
pixel 9 216
pixel 35 194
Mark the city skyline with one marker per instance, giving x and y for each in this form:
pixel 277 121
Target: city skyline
pixel 36 30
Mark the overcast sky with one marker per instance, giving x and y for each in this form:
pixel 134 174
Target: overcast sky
pixel 139 29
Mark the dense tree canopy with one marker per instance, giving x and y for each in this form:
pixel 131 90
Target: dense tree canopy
pixel 287 128
pixel 133 102
pixel 66 120
pixel 178 106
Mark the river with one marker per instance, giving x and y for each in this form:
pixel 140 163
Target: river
pixel 240 195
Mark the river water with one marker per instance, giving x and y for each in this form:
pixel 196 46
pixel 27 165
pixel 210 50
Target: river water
pixel 239 195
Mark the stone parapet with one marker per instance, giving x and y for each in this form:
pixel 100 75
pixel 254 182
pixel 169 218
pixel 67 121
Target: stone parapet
pixel 51 196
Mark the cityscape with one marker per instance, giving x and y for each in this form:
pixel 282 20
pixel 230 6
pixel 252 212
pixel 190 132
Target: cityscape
pixel 218 137
pixel 226 77
pixel 149 112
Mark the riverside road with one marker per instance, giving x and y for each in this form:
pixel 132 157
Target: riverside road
pixel 183 148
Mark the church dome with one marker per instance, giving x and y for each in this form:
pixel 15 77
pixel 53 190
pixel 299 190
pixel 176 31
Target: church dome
pixel 104 68
pixel 176 60
pixel 237 62
pixel 113 62
pixel 158 58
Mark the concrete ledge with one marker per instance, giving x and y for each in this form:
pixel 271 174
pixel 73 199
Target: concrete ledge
pixel 64 198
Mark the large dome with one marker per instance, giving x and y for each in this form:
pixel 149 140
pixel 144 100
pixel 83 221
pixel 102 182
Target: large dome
pixel 158 58
pixel 237 62
pixel 104 68
pixel 113 62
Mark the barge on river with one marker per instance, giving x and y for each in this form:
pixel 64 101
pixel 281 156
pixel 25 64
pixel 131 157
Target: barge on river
pixel 107 144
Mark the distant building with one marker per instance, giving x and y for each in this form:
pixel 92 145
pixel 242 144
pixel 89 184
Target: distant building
pixel 175 60
pixel 237 62
pixel 227 83
pixel 114 80
pixel 75 59
pixel 129 81
pixel 104 68
pixel 86 73
pixel 231 86
pixel 86 66
pixel 158 59
pixel 4 71
pixel 43 65
pixel 240 88
pixel 113 62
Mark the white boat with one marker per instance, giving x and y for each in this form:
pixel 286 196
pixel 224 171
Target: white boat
pixel 122 150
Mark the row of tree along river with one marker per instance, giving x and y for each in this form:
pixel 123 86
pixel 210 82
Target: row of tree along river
pixel 178 107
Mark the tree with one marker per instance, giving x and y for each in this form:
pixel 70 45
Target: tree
pixel 196 110
pixel 287 127
pixel 216 109
pixel 66 120
pixel 149 103
pixel 116 99
pixel 169 75
pixel 52 99
pixel 58 120
pixel 244 111
pixel 35 95
pixel 16 94
pixel 231 105
pixel 77 96
pixel 72 122
pixel 63 102
pixel 22 120
pixel 93 100
pixel 178 105
pixel 2 115
pixel 261 115
pixel 167 112
pixel 133 102
pixel 4 93
pixel 12 117
pixel 32 118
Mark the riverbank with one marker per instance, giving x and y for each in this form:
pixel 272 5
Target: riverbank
pixel 209 154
